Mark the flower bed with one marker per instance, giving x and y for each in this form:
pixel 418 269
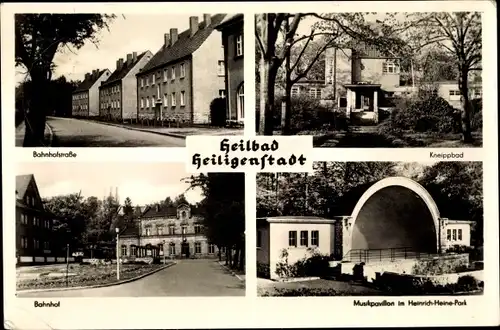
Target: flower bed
pixel 87 275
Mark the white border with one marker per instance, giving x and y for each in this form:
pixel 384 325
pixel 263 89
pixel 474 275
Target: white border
pixel 251 311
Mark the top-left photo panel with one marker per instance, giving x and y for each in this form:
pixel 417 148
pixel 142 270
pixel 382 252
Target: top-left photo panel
pixel 127 80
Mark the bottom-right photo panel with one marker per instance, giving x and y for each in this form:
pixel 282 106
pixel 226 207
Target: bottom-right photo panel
pixel 371 229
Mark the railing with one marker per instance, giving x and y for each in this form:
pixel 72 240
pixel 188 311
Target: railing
pixel 391 254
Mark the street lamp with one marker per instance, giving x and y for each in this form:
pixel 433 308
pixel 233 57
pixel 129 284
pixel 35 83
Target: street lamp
pixel 117 253
pixel 163 246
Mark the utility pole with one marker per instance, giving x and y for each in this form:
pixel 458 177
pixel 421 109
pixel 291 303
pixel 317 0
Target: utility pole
pixel 117 253
pixel 67 263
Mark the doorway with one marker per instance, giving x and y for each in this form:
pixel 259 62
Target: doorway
pixel 185 249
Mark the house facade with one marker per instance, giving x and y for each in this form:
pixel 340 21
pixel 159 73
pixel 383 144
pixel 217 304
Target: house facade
pixel 173 232
pixel 232 41
pixel 35 240
pixel 450 91
pixel 183 77
pixel 85 99
pixel 118 94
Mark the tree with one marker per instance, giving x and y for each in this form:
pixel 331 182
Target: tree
pixel 224 212
pixel 457 33
pixel 38 37
pixel 179 200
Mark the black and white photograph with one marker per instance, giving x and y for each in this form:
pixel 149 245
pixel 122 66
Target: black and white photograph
pixel 127 80
pixel 355 79
pixel 128 230
pixel 371 229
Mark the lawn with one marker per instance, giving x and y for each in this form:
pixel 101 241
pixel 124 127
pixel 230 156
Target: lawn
pixel 316 288
pixel 49 277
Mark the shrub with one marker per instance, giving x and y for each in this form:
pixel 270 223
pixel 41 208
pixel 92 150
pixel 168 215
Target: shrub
pixel 315 265
pixel 218 114
pixel 426 112
pixel 476 114
pixel 438 266
pixel 467 283
pixel 263 270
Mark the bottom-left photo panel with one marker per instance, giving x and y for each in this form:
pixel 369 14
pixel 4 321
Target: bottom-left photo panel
pixel 128 230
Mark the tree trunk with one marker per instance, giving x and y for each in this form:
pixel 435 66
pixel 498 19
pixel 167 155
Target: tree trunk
pixel 465 115
pixel 236 257
pixel 241 266
pixel 286 129
pixel 35 116
pixel 267 79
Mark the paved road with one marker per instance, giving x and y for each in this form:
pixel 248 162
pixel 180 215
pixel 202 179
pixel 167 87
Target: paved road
pixel 70 132
pixel 189 278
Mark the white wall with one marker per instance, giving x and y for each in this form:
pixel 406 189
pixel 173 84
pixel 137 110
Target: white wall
pixel 206 81
pixel 279 241
pixel 94 94
pixel 263 250
pixel 129 88
pixel 465 234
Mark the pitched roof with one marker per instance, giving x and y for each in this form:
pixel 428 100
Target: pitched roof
pixel 89 82
pixel 228 19
pixel 157 211
pixel 119 74
pixel 185 44
pixel 22 183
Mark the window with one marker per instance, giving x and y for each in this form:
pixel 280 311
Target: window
pixel 148 231
pixel 147 81
pixel 239 45
pixel 222 93
pixel 315 238
pixel 454 95
pixel 171 230
pixel 24 219
pixel 46 245
pixel 197 247
pixel 173 100
pixel 35 221
pixel 36 244
pixel 183 230
pixel 315 93
pixel 160 247
pixel 46 224
pixel 124 250
pixel 160 231
pixel 153 79
pixel 454 234
pixel 172 75
pixel 240 102
pixel 24 242
pixel 133 250
pixel 183 98
pixel 165 71
pixel 292 238
pixel 171 248
pixel 304 239
pixel 147 102
pixel 197 229
pixel 220 68
pixel 259 238
pixel 295 91
pixel 158 92
pixel 118 104
pixel 478 93
pixel 460 234
pixel 390 66
pixel 165 100
pixel 152 102
pixel 211 248
pixel 183 70
pixel 142 82
pixel 142 102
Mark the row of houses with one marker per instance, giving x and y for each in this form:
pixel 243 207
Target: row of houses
pixel 363 79
pixel 178 82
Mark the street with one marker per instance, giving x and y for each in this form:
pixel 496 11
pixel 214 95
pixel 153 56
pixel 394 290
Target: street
pixel 70 132
pixel 189 278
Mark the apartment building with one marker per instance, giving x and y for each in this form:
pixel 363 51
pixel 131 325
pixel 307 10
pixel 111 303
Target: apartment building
pixel 183 77
pixel 118 94
pixel 231 28
pixel 85 99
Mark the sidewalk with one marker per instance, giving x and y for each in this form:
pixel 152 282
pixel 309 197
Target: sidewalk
pixel 21 129
pixel 179 132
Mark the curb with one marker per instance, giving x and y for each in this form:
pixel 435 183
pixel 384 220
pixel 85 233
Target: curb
pixel 231 271
pixel 180 136
pixel 51 134
pixel 298 279
pixel 97 285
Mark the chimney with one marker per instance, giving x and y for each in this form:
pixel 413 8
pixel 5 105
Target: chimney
pixel 134 56
pixel 87 76
pixel 166 40
pixel 118 65
pixel 129 59
pixel 157 207
pixel 193 25
pixel 94 73
pixel 121 63
pixel 208 19
pixel 173 36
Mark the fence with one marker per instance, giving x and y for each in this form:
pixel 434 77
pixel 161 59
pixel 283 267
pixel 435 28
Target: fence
pixel 391 254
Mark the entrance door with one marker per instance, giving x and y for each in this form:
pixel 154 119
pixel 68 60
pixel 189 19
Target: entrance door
pixel 185 249
pixel 158 111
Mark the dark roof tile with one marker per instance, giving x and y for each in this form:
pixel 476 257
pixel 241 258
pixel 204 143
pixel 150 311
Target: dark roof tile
pixel 89 82
pixel 120 74
pixel 184 46
pixel 22 183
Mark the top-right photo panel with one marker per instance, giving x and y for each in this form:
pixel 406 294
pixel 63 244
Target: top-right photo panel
pixel 381 80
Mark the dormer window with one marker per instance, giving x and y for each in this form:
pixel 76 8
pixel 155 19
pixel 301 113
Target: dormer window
pixel 183 214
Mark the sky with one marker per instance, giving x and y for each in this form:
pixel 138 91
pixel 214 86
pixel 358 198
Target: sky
pixel 144 183
pixel 127 33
